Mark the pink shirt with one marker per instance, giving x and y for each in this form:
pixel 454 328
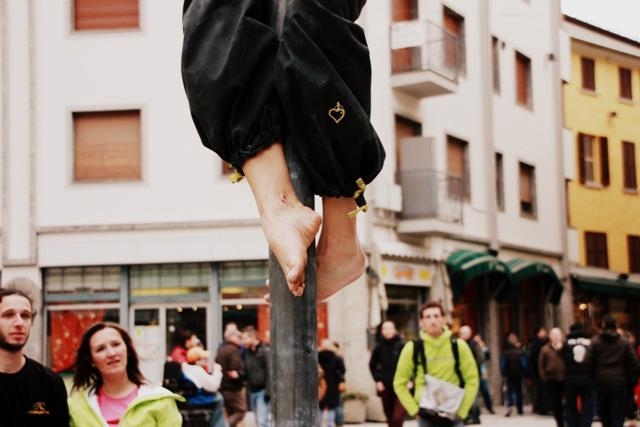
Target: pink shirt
pixel 113 408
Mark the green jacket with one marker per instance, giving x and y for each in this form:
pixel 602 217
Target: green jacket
pixel 153 407
pixel 440 364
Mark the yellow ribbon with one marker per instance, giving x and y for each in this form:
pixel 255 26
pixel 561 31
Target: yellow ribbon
pixel 355 212
pixel 236 177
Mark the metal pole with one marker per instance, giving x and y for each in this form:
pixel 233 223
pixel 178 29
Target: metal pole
pixel 294 361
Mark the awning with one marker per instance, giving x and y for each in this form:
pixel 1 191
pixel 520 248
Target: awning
pixel 600 285
pixel 465 265
pixel 522 269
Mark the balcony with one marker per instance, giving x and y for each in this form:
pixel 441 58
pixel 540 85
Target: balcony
pixel 425 59
pixel 432 201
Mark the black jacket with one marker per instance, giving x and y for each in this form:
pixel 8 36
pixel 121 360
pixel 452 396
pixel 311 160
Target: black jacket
pixel 333 367
pixel 613 360
pixel 577 358
pixel 384 359
pixel 512 362
pixel 257 367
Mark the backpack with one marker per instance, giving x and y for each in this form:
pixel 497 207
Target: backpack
pixel 418 358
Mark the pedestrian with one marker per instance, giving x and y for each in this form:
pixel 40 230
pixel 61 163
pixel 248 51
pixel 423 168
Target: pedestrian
pixel 540 400
pixel 382 364
pixel 109 389
pixel 247 106
pixel 30 393
pixel 513 365
pixel 334 370
pixel 551 371
pixel 466 333
pixel 205 394
pixel 616 368
pixel 578 377
pixel 186 340
pixel 484 373
pixel 257 359
pixel 445 358
pixel 233 375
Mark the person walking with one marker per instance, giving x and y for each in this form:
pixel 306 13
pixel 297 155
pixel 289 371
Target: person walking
pixel 484 372
pixel 578 377
pixel 257 359
pixel 513 365
pixel 30 394
pixel 466 333
pixel 445 358
pixel 551 370
pixel 109 389
pixel 540 401
pixel 333 367
pixel 382 364
pixel 233 375
pixel 616 368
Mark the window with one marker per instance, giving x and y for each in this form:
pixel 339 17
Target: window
pixel 404 10
pixel 458 168
pixel 455 51
pixel 527 190
pixel 495 59
pixel 588 157
pixel 629 165
pixel 499 182
pixel 407 58
pixel 105 14
pixel 588 68
pixel 625 83
pixel 106 146
pixel 405 128
pixel 633 245
pixel 596 248
pixel 523 80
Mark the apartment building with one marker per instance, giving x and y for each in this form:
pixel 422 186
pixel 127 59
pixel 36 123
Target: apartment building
pixel 602 122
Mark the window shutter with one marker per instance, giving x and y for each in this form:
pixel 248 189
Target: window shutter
pixel 581 159
pixel 633 243
pixel 625 83
pixel 106 14
pixel 604 161
pixel 588 73
pixel 629 165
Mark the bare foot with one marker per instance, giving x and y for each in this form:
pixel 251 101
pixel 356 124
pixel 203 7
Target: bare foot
pixel 290 228
pixel 340 258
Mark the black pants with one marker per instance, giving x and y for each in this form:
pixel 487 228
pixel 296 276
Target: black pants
pixel 306 84
pixel 612 403
pixel 584 416
pixel 556 391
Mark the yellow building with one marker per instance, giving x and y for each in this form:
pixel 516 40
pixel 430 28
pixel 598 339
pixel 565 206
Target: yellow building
pixel 602 113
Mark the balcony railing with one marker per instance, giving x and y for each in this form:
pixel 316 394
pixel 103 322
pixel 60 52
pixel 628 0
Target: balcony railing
pixel 421 47
pixel 430 194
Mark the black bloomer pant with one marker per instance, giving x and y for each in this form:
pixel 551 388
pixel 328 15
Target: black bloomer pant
pixel 308 85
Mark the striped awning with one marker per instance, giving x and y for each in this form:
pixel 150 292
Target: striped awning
pixel 522 269
pixel 466 265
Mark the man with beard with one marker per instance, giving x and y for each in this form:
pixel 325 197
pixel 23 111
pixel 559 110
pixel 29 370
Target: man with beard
pixel 31 395
pixel 382 364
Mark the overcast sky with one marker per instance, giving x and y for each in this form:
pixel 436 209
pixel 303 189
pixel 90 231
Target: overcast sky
pixel 618 16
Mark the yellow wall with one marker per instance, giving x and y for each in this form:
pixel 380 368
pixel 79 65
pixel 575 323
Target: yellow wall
pixel 610 210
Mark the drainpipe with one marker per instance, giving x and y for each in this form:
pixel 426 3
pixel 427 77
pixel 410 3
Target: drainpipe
pixel 566 303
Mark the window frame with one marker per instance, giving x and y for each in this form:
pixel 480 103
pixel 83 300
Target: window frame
pixel 499 159
pixel 633 252
pixel 625 84
pixel 466 175
pixel 523 62
pixel 460 33
pixel 588 74
pixel 528 209
pixel 596 249
pixel 629 169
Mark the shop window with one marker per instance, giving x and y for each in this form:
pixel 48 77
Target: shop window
pixel 629 165
pixel 105 14
pixel 591 152
pixel 499 182
pixel 495 59
pixel 596 249
pixel 455 50
pixel 528 206
pixel 633 247
pixel 523 81
pixel 588 68
pixel 149 282
pixel 71 284
pixel 624 75
pixel 458 169
pixel 106 146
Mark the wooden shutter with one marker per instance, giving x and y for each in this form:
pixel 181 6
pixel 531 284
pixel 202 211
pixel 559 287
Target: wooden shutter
pixel 457 167
pixel 624 75
pixel 526 193
pixel 106 14
pixel 604 161
pixel 633 246
pixel 629 165
pixel 107 146
pixel 403 59
pixel 581 159
pixel 404 10
pixel 523 65
pixel 454 49
pixel 596 249
pixel 587 66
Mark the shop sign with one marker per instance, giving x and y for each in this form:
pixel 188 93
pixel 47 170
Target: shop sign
pixel 406 273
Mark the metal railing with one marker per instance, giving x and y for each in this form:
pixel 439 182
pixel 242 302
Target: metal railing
pixel 421 45
pixel 430 194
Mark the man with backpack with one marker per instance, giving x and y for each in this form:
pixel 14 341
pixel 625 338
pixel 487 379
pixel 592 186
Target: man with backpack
pixel 446 363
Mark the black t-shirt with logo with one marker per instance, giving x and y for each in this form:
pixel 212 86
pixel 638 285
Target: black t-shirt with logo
pixel 32 397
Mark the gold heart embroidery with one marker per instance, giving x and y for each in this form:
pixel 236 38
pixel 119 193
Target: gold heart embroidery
pixel 337 113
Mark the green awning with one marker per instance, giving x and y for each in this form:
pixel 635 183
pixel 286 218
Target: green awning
pixel 465 265
pixel 522 269
pixel 612 287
